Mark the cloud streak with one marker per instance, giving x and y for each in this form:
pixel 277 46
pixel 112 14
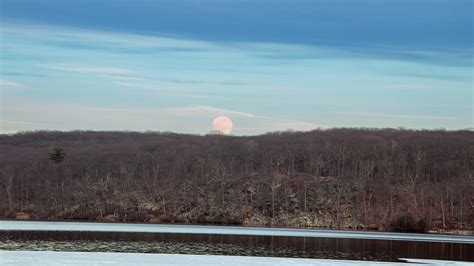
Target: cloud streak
pixel 398 116
pixel 112 72
pixel 199 109
pixel 10 84
pixel 22 123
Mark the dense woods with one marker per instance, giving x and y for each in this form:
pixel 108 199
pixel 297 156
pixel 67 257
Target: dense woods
pixel 385 179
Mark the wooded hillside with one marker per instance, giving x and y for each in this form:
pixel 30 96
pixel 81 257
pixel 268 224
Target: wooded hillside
pixel 387 179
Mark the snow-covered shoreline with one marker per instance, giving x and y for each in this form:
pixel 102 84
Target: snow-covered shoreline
pixel 224 230
pixel 25 258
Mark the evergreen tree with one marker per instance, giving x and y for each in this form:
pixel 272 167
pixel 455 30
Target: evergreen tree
pixel 57 154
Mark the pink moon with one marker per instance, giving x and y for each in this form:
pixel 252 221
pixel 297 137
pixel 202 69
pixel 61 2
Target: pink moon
pixel 223 124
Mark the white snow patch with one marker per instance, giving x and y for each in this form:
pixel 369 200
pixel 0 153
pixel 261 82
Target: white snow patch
pixel 25 258
pixel 437 262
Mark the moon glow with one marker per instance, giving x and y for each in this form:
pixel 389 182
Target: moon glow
pixel 223 124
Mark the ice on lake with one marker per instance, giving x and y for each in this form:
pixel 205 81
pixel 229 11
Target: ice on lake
pixel 225 230
pixel 26 258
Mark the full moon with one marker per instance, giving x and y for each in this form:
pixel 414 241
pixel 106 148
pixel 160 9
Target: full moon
pixel 223 124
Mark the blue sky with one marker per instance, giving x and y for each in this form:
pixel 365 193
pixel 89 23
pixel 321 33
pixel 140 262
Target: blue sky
pixel 268 65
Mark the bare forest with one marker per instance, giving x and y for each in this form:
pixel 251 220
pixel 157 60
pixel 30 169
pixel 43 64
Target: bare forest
pixel 365 179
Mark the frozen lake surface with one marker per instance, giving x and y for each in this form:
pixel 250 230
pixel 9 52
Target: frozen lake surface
pixel 224 230
pixel 24 258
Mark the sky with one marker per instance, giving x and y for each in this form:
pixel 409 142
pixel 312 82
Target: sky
pixel 269 65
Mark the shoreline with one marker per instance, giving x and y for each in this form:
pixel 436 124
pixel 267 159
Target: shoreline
pixel 70 226
pixel 448 232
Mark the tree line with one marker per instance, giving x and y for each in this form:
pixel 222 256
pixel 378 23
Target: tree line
pixel 383 179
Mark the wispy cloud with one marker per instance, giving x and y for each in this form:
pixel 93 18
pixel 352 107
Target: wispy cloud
pixel 405 87
pixel 192 110
pixel 398 116
pixel 112 72
pixel 164 90
pixel 137 85
pixel 10 84
pixel 21 74
pixel 197 109
pixel 220 83
pixel 22 123
pixel 269 125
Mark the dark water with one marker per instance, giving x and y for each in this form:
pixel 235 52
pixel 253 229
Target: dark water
pixel 302 247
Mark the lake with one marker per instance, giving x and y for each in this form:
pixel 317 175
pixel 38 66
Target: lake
pixel 220 240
